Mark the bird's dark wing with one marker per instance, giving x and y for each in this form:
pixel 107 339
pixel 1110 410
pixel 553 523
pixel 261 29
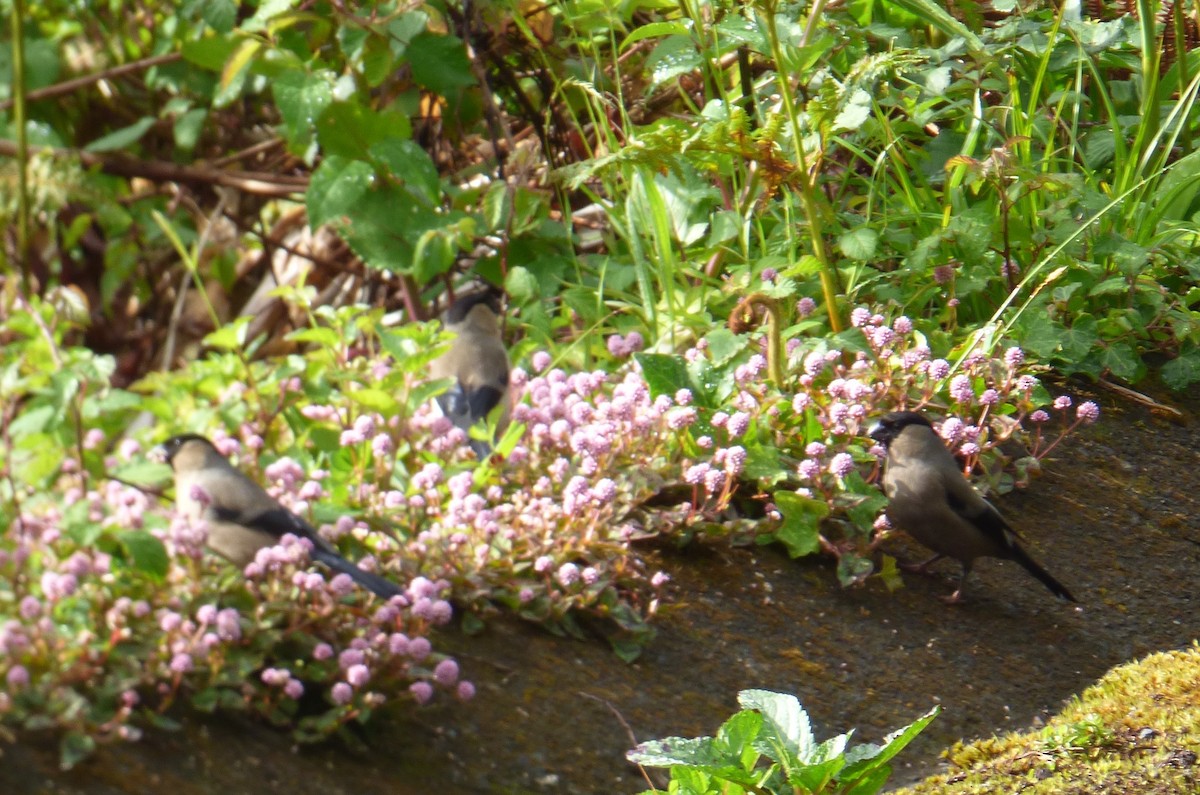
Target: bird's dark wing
pixel 280 521
pixel 276 522
pixel 482 399
pixel 983 515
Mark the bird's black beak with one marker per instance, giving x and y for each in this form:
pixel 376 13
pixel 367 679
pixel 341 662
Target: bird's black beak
pixel 877 433
pixel 158 454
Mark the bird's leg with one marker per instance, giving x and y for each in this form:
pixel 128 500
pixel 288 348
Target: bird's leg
pixel 956 597
pixel 920 568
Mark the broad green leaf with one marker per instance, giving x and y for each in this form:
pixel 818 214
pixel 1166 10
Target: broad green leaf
pixel 220 15
pixel 350 129
pixel 439 63
pixel 665 374
pixel 724 345
pixel 698 752
pixel 188 127
pixel 786 734
pixel 858 109
pixel 853 568
pixel 408 162
pixel 673 57
pixel 146 553
pixel 801 528
pixel 374 400
pixel 1122 360
pixel 301 99
pixel 336 189
pixel 210 52
pixel 1182 371
pixel 859 244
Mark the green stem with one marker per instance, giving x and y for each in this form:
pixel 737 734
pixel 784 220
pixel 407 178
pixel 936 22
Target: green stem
pixel 808 196
pixel 19 121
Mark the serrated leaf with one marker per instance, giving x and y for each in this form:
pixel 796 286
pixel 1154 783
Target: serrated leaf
pixel 859 244
pixel 786 734
pixel 408 162
pixel 856 111
pixel 697 751
pixel 724 345
pixel 337 187
pixel 1182 371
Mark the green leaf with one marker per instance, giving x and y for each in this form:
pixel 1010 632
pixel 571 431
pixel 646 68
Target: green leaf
pixel 1123 361
pixel 735 739
pixel 723 345
pixel 336 189
pixel 146 553
pixel 763 464
pixel 231 337
pixel 859 244
pixel 210 52
pixel 852 115
pixel 670 751
pixel 322 336
pixel 301 99
pixel 853 568
pixel 672 57
pixel 350 129
pixel 74 747
pixel 147 473
pixel 439 62
pixel 801 528
pixel 220 15
pixel 1182 371
pixel 122 138
pixel 375 400
pixel 188 127
pixel 665 374
pixel 408 162
pixel 1078 340
pixel 786 734
pixel 654 30
pixel 863 758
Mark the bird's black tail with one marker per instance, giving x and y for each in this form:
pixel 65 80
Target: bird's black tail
pixel 1056 587
pixel 377 585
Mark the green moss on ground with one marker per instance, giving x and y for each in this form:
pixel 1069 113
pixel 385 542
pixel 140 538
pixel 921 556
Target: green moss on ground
pixel 1137 730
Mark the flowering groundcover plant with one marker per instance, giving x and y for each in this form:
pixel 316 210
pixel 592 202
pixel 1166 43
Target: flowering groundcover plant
pixel 110 612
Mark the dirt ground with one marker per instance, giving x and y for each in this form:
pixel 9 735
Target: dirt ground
pixel 1114 517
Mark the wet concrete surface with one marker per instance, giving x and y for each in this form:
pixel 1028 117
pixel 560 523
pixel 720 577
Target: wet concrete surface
pixel 1114 518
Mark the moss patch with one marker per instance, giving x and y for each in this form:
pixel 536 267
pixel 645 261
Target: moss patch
pixel 1137 730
